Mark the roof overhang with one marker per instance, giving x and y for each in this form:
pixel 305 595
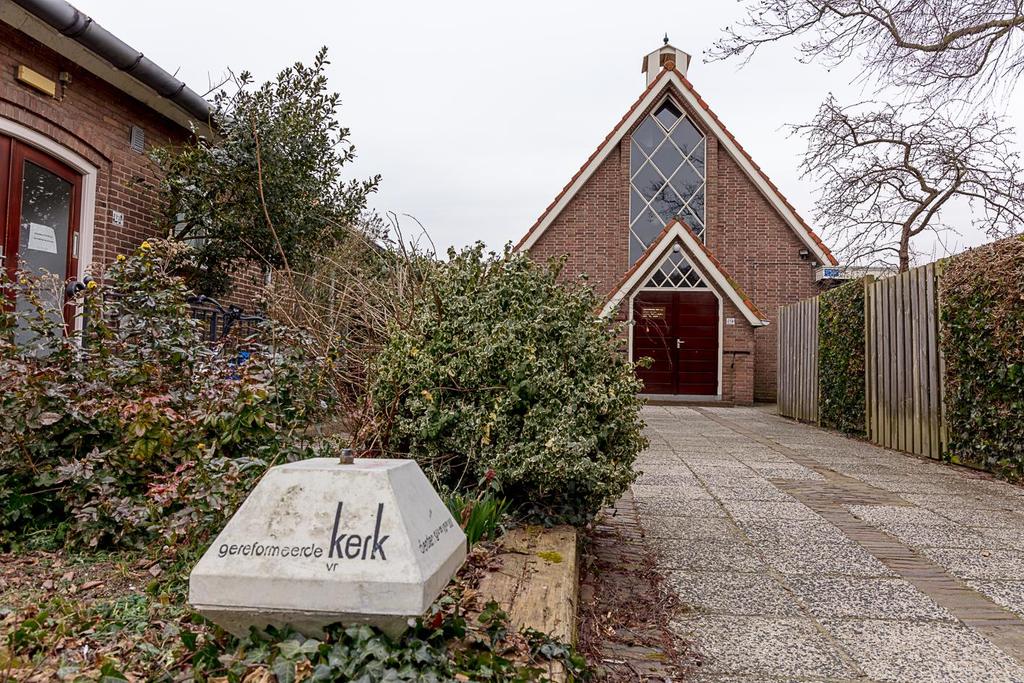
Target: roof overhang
pixel 29 24
pixel 711 123
pixel 700 258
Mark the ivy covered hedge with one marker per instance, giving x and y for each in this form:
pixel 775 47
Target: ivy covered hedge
pixel 841 358
pixel 503 373
pixel 982 338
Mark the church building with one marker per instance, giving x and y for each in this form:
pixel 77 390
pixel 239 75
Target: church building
pixel 687 241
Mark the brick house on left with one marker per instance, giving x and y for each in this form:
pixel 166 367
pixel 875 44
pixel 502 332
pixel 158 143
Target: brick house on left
pixel 79 112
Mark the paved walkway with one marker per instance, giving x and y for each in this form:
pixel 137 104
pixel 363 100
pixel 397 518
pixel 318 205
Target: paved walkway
pixel 807 556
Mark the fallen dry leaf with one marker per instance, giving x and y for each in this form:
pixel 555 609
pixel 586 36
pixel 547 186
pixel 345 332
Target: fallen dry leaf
pixel 259 675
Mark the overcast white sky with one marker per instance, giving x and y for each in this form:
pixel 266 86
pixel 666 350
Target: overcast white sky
pixel 477 113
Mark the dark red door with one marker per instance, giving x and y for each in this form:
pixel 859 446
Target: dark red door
pixel 39 199
pixel 678 331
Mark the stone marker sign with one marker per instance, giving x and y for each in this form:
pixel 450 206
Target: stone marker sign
pixel 318 541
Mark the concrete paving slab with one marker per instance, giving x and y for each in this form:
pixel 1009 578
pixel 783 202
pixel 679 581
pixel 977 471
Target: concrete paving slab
pixel 895 514
pixel 691 527
pixel 924 652
pixel 797 472
pixel 792 531
pixel 763 646
pixel 742 510
pixel 981 519
pixel 838 559
pixel 868 598
pixel 1008 594
pixel 874 567
pixel 753 489
pixel 979 564
pixel 671 491
pixel 945 502
pixel 739 594
pixel 708 554
pixel 659 506
pixel 935 536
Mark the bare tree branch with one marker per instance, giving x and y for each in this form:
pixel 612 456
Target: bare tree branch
pixel 936 47
pixel 887 174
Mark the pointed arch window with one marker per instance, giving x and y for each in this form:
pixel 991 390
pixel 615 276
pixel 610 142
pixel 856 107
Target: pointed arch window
pixel 675 272
pixel 667 180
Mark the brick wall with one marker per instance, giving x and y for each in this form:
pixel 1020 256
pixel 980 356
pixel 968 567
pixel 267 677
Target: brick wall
pixel 751 240
pixel 94 119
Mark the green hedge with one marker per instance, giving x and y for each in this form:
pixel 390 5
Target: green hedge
pixel 841 358
pixel 982 314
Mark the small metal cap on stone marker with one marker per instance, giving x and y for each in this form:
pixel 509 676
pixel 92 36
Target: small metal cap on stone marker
pixel 346 456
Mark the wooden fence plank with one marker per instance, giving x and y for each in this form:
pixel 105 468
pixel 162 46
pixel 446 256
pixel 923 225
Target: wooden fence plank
pixel 903 363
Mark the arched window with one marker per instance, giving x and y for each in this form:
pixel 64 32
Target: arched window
pixel 666 169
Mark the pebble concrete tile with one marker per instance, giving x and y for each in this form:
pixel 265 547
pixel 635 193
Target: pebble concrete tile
pixel 896 514
pixel 691 527
pixel 924 652
pixel 1003 538
pixel 758 510
pixel 794 472
pixel 935 536
pixel 869 598
pixel 839 559
pixel 943 503
pixel 985 518
pixel 735 593
pixel 975 564
pixel 667 491
pixel 752 490
pixel 706 554
pixel 762 647
pixel 776 531
pixel 679 507
pixel 1008 594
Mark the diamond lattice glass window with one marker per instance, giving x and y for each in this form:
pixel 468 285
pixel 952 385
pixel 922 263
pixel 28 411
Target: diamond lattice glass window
pixel 675 272
pixel 666 176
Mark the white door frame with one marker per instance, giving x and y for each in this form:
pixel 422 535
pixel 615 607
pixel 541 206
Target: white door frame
pixel 690 290
pixel 90 175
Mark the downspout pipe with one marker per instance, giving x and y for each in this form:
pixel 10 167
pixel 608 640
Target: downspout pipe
pixel 67 20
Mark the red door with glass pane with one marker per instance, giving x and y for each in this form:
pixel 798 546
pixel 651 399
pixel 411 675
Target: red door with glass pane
pixel 678 331
pixel 39 206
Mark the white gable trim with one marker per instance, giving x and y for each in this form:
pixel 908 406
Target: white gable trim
pixel 697 258
pixel 710 124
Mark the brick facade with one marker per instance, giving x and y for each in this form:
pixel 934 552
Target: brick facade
pixel 751 240
pixel 93 119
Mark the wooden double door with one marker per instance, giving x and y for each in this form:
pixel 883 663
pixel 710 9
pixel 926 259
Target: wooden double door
pixel 678 331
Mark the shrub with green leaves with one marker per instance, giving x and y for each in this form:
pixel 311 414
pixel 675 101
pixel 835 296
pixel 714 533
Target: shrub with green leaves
pixel 270 188
pixel 841 358
pixel 982 316
pixel 135 427
pixel 502 367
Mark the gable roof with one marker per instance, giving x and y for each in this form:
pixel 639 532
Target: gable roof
pixel 712 123
pixel 699 257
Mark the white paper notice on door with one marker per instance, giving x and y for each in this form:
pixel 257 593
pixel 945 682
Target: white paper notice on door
pixel 42 238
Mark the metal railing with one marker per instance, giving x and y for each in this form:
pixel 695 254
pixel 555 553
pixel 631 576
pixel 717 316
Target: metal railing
pixel 219 321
